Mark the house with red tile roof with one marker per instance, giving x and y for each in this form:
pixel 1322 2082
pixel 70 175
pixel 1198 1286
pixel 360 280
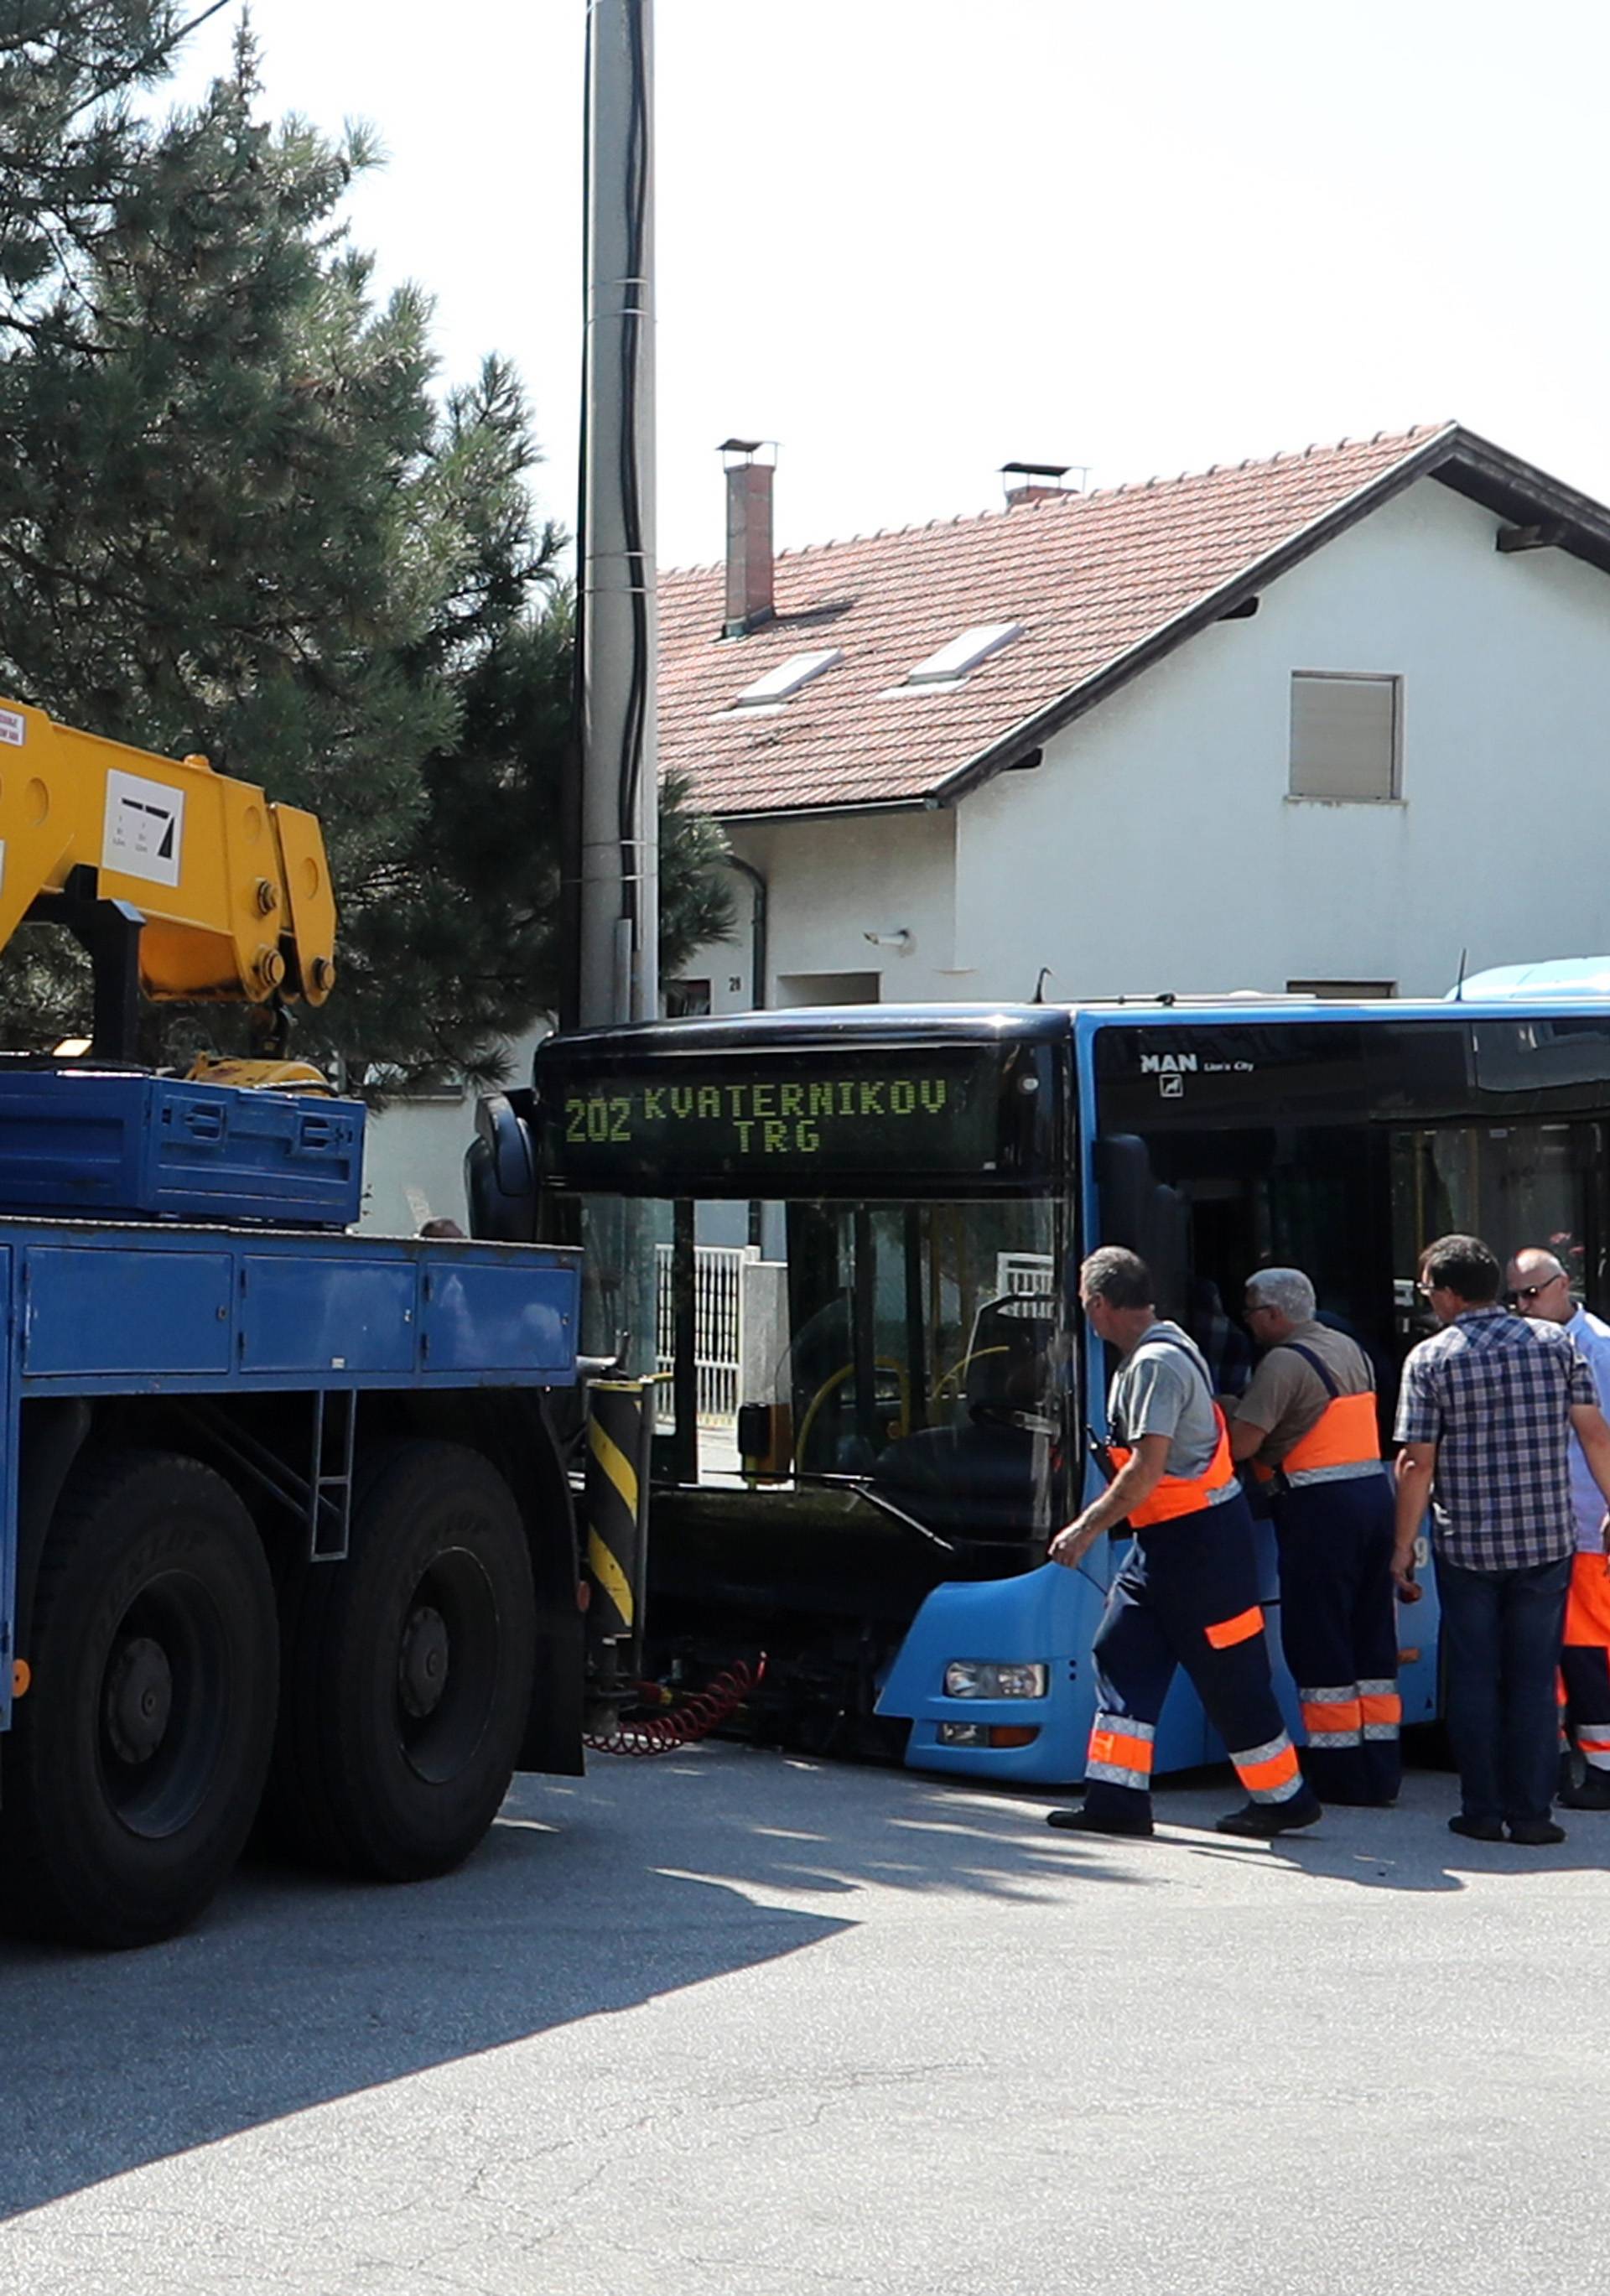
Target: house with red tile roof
pixel 1335 719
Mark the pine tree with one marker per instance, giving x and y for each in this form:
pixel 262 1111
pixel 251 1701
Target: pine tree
pixel 473 900
pixel 235 519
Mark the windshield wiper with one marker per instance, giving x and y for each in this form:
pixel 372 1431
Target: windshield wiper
pixel 860 1490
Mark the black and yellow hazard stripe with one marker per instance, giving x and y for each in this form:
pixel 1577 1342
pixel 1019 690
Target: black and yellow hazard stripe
pixel 614 1496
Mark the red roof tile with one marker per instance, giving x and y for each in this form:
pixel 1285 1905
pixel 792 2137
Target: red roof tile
pixel 1092 578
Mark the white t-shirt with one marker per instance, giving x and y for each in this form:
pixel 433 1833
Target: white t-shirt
pixel 1588 1502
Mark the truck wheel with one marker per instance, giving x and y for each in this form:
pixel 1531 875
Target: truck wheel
pixel 408 1671
pixel 136 1761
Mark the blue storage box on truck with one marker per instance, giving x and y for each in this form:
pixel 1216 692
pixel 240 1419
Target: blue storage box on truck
pixel 114 1144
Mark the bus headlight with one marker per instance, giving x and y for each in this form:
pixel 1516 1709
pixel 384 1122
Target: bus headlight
pixel 983 1678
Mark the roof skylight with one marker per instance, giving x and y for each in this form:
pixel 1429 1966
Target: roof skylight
pixel 953 662
pixel 780 685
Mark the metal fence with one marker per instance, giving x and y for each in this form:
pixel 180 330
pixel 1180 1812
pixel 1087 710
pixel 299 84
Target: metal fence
pixel 718 1330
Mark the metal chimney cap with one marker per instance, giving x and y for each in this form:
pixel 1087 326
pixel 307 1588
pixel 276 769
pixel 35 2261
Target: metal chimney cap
pixel 1036 470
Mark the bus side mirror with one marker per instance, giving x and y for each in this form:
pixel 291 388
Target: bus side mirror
pixel 500 1174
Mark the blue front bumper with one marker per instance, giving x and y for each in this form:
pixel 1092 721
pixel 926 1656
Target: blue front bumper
pixel 1048 1617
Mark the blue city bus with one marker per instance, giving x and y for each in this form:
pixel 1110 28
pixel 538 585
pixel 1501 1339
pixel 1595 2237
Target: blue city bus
pixel 876 1400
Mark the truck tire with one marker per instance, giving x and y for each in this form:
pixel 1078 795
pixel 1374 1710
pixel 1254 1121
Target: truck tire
pixel 136 1759
pixel 408 1671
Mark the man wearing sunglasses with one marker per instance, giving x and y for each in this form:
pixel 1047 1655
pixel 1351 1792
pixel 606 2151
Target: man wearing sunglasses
pixel 1539 1286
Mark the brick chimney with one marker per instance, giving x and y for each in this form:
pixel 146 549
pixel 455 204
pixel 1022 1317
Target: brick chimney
pixel 1027 482
pixel 748 549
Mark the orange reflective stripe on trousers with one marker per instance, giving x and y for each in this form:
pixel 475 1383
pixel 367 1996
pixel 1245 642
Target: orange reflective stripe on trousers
pixel 1120 1751
pixel 1270 1772
pixel 1227 1632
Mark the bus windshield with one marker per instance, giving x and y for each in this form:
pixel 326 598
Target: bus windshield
pixel 917 1346
pixel 846 1244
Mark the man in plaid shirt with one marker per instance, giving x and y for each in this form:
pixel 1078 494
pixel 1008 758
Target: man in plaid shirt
pixel 1485 1412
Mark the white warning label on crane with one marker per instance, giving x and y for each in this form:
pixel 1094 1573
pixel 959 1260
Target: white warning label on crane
pixel 14 727
pixel 145 828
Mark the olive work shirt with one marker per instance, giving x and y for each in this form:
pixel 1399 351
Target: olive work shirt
pixel 1288 1396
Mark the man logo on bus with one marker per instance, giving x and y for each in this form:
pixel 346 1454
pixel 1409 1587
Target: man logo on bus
pixel 1168 1064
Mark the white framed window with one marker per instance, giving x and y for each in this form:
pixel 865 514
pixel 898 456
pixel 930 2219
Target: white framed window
pixel 780 685
pixel 1347 736
pixel 952 663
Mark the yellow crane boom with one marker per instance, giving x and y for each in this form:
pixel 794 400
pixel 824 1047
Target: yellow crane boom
pixel 211 891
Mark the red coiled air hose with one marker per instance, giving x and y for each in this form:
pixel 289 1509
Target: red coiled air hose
pixel 703 1711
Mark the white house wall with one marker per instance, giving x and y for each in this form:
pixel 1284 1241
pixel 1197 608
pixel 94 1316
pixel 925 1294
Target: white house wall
pixel 414 1165
pixel 413 1154
pixel 831 882
pixel 1156 847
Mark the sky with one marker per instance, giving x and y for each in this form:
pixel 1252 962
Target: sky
pixel 911 240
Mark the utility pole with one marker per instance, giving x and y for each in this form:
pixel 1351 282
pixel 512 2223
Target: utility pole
pixel 610 908
pixel 616 817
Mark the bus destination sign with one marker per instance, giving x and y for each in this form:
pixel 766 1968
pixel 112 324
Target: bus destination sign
pixel 891 1110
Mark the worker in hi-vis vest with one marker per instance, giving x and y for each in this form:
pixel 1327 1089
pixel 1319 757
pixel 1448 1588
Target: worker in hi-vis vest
pixel 1308 1426
pixel 1186 1591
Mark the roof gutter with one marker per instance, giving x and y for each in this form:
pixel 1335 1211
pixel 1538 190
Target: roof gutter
pixel 924 804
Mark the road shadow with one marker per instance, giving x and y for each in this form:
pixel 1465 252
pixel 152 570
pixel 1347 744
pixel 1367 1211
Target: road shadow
pixel 588 1897
pixel 1406 1848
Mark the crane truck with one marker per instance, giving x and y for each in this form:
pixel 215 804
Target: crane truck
pixel 285 1536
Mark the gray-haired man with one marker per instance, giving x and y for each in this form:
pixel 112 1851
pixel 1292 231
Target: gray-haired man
pixel 1308 1425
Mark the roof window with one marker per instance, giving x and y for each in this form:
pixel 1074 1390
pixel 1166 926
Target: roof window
pixel 952 663
pixel 783 683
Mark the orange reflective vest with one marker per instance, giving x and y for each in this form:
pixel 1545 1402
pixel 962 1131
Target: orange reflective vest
pixel 1343 1441
pixel 1177 1495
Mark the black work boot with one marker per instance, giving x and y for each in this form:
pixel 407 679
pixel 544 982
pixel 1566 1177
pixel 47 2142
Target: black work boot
pixel 1261 1821
pixel 1097 1821
pixel 1593 1793
pixel 1476 1829
pixel 1535 1833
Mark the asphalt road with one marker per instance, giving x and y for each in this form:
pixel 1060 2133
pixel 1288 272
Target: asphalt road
pixel 727 2022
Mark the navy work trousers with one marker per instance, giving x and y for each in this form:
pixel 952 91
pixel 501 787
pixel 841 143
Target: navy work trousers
pixel 1501 1634
pixel 1339 1630
pixel 1186 1594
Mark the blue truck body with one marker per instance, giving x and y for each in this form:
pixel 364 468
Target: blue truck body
pixel 97 1310
pixel 286 1537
